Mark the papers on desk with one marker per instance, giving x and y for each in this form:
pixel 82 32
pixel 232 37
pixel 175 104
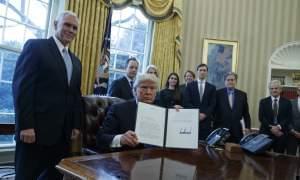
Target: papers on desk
pixel 166 127
pixel 162 168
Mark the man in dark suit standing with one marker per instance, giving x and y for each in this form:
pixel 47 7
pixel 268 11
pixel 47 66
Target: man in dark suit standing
pixel 47 99
pixel 232 110
pixel 202 95
pixel 122 88
pixel 294 127
pixel 275 115
pixel 117 131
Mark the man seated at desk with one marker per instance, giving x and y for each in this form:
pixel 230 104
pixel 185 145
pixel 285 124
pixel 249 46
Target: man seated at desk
pixel 117 131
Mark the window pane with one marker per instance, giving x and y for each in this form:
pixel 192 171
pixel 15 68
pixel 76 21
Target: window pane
pixel 6 139
pixel 9 63
pixel 2 9
pixel 139 41
pixel 125 39
pixel 121 61
pixel 128 40
pixel 45 1
pixel 14 34
pixel 141 21
pixel 31 33
pixel 140 58
pixel 7 118
pixel 1 29
pixel 37 13
pixel 116 15
pixel 127 18
pixel 111 77
pixel 114 37
pixel 16 10
pixel 6 105
pixel 112 59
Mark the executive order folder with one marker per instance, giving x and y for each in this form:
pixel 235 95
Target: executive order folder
pixel 167 127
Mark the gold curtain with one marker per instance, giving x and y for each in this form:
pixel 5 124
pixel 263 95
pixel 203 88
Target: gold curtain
pixel 166 53
pixel 87 45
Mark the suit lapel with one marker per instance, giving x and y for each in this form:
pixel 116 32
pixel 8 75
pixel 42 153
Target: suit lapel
pixel 205 91
pixel 226 100
pixel 74 69
pixel 296 105
pixel 236 98
pixel 269 107
pixel 57 58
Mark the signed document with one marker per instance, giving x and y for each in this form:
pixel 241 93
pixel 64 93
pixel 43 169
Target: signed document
pixel 167 127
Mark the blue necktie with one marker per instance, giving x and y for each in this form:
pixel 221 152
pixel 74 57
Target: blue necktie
pixel 131 84
pixel 68 63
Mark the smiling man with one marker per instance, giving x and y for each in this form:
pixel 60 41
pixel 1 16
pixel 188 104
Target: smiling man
pixel 47 100
pixel 117 131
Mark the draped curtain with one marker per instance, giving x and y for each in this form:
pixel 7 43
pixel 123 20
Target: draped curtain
pixel 166 44
pixel 87 45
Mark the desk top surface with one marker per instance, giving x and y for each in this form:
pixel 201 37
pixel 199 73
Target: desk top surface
pixel 204 163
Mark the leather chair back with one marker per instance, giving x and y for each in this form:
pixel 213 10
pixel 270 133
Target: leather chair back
pixel 95 108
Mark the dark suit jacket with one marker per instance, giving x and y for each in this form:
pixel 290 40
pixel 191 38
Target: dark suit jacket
pixel 43 98
pixel 230 117
pixel 295 124
pixel 120 88
pixel 119 119
pixel 181 89
pixel 266 116
pixel 191 99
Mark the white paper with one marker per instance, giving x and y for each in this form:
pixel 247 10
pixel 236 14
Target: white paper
pixel 150 124
pixel 182 128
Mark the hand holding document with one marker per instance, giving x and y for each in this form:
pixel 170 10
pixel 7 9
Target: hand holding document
pixel 167 127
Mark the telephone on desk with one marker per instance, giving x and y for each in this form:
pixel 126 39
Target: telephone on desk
pixel 256 143
pixel 218 137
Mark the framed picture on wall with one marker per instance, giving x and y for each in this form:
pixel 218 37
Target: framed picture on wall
pixel 221 57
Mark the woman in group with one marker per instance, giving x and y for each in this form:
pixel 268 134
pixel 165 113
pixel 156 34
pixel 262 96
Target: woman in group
pixel 152 69
pixel 170 97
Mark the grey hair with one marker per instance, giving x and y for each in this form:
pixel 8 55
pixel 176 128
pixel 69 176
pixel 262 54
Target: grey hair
pixel 275 82
pixel 65 13
pixel 231 74
pixel 145 77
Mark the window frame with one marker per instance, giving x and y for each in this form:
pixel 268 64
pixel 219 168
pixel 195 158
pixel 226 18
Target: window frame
pixel 148 45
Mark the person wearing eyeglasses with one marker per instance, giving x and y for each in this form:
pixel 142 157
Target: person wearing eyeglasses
pixel 293 142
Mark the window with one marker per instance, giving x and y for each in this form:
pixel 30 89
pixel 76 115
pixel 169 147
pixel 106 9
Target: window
pixel 20 20
pixel 130 37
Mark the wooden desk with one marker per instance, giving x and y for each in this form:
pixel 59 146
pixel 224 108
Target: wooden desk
pixel 204 163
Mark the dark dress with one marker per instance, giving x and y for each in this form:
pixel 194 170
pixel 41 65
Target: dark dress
pixel 167 98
